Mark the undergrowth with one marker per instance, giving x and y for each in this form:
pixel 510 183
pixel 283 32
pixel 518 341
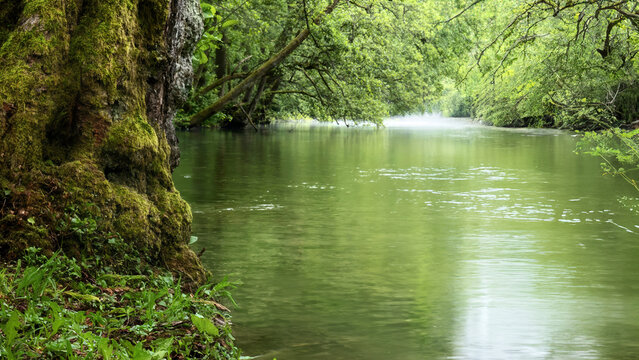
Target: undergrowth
pixel 57 307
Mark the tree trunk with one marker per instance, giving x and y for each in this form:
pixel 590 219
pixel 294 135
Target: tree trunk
pixel 221 61
pixel 88 91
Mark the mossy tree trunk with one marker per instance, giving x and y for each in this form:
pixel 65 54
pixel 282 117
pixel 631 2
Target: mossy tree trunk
pixel 88 89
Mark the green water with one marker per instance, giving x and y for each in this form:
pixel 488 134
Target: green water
pixel 428 239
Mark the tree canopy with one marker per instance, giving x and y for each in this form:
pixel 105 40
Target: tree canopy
pixel 339 60
pixel 568 64
pixel 511 63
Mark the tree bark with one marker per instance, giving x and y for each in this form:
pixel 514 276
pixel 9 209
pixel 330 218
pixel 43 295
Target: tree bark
pixel 221 61
pixel 199 118
pixel 88 91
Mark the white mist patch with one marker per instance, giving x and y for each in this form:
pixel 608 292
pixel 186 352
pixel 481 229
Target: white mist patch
pixel 435 121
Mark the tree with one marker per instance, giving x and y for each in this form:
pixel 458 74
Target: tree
pixel 88 90
pixel 565 64
pixel 363 62
pixel 259 73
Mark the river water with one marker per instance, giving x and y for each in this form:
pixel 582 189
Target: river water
pixel 430 238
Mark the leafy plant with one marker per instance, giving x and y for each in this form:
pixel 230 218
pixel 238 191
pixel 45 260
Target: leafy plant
pixel 50 309
pixel 618 149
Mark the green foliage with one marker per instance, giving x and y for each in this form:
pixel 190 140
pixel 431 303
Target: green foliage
pixel 513 63
pixel 618 149
pixel 181 120
pixel 52 309
pixel 210 38
pixel 619 152
pixel 453 102
pixel 364 62
pixel 537 63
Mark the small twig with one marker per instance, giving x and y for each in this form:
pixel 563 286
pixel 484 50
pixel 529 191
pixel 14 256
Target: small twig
pixel 247 116
pixel 240 63
pixel 461 12
pixel 319 95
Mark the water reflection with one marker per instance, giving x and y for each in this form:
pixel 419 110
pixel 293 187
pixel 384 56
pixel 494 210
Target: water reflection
pixel 445 240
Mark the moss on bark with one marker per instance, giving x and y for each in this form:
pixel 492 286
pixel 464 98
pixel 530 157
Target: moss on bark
pixel 75 138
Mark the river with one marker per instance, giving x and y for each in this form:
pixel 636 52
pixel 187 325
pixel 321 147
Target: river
pixel 430 238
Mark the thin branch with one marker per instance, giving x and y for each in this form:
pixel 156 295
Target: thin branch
pixel 301 92
pixel 247 116
pixel 240 63
pixel 324 80
pixel 462 12
pixel 319 95
pixel 217 83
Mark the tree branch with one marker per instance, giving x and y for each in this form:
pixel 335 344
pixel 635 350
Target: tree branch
pixel 463 11
pixel 215 84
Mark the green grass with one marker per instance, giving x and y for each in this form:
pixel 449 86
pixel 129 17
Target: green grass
pixel 53 307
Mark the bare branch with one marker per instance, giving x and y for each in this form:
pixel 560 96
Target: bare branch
pixel 291 92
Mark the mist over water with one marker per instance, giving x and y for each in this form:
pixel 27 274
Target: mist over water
pixel 429 238
pixel 434 121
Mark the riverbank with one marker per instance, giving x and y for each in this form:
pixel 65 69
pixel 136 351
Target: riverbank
pixel 58 307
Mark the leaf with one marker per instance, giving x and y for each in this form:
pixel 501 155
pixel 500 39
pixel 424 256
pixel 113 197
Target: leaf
pixel 10 329
pixel 56 326
pixel 83 297
pixel 59 319
pixel 162 347
pixel 204 325
pixel 193 240
pixel 105 349
pixel 31 221
pixel 228 23
pixel 214 303
pixel 139 353
pixel 208 11
pixel 31 276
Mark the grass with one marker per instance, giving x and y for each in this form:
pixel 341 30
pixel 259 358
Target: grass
pixel 56 307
